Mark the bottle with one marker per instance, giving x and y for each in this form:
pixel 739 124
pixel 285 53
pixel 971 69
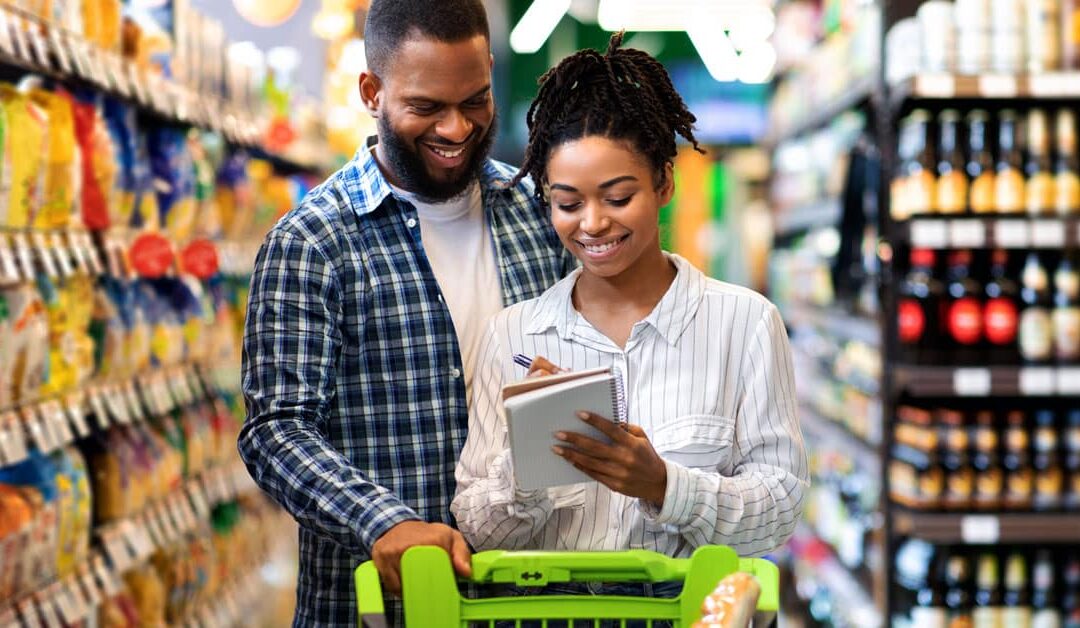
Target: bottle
pixel 918 310
pixel 1049 477
pixel 1071 499
pixel 980 163
pixel 1070 600
pixel 952 183
pixel 1039 188
pixel 957 587
pixel 929 609
pixel 1066 315
pixel 1009 195
pixel 1019 477
pixel 988 597
pixel 1017 612
pixel 1044 601
pixel 1070 34
pixel 959 474
pixel 964 317
pixel 912 191
pixel 989 476
pixel 1043 35
pixel 1066 164
pixel 1001 316
pixel 1036 328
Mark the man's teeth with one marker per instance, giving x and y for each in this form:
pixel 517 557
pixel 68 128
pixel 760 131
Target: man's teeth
pixel 448 154
pixel 601 248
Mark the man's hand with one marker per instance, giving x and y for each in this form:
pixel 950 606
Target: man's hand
pixel 387 551
pixel 628 465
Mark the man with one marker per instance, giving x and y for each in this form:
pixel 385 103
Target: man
pixel 368 303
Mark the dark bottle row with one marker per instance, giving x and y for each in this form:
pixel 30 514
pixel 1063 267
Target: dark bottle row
pixel 963 307
pixel 1007 162
pixel 982 587
pixel 986 460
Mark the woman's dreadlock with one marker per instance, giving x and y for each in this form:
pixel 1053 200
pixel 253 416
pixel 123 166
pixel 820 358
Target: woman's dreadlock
pixel 624 94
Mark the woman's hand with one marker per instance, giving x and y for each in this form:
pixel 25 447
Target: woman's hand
pixel 628 465
pixel 540 366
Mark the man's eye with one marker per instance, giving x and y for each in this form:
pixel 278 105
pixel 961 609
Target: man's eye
pixel 424 109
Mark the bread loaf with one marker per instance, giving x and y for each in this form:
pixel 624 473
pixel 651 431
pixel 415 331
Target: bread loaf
pixel 732 603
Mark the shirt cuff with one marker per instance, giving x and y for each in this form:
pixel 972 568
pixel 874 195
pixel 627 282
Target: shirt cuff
pixel 385 513
pixel 678 498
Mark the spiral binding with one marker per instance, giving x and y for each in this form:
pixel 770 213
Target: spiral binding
pixel 618 396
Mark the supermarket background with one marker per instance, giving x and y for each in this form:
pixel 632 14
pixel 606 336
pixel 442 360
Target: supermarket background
pixel 901 178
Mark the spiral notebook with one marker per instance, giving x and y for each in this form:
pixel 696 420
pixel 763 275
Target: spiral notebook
pixel 536 408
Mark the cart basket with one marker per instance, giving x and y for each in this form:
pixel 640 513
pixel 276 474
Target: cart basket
pixel 432 599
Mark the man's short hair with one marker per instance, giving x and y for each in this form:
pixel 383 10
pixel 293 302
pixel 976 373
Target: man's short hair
pixel 391 22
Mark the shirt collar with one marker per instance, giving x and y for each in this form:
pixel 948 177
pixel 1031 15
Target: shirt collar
pixel 374 186
pixel 671 316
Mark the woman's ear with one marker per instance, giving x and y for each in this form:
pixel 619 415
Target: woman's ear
pixel 667 184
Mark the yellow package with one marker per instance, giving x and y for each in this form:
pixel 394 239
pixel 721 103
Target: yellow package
pixel 148 592
pixel 5 167
pixel 65 515
pixel 60 176
pixel 27 132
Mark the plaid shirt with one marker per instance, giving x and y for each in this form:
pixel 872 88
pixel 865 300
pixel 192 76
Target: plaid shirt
pixel 353 379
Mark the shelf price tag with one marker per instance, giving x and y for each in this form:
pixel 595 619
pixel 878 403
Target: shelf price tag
pixel 22 46
pixel 13 448
pixel 44 253
pixel 929 234
pixel 97 404
pixel 1037 381
pixel 134 405
pixel 1012 234
pixel 1048 234
pixel 998 86
pixel 9 266
pixel 90 587
pixel 61 254
pixel 967 233
pixel 41 50
pixel 25 255
pixel 46 605
pixel 1054 84
pixel 117 549
pixel 6 43
pixel 971 382
pixel 105 577
pixel 1068 381
pixel 40 436
pixel 980 529
pixel 935 85
pixel 76 411
pixel 53 413
pixel 59 47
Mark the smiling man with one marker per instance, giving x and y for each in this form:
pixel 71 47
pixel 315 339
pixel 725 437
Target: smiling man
pixel 367 307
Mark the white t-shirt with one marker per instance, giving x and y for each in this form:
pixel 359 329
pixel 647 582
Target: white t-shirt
pixel 459 248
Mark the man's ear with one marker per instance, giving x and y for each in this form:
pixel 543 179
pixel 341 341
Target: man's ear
pixel 371 93
pixel 667 184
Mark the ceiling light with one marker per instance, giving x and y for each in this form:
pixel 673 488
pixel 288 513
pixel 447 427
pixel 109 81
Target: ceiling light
pixel 754 25
pixel 716 52
pixel 332 24
pixel 266 13
pixel 756 63
pixel 537 24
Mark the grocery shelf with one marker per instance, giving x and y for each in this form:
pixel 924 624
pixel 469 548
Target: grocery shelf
pixel 814 561
pixel 985 529
pixel 821 213
pixel 837 323
pixel 1000 381
pixel 1050 86
pixel 1011 232
pixel 860 92
pixel 839 437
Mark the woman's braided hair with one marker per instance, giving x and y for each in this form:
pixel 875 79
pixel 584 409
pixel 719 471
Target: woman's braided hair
pixel 624 94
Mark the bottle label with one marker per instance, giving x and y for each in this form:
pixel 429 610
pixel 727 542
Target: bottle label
pixel 928 617
pixel 952 192
pixel 1066 322
pixel 965 321
pixel 985 617
pixel 1036 337
pixel 1067 193
pixel 898 208
pixel 920 192
pixel 982 193
pixel 1001 320
pixel 1009 191
pixel 1040 193
pixel 1046 618
pixel 911 321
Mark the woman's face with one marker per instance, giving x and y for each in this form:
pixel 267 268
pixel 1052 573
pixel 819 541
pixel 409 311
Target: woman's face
pixel 605 204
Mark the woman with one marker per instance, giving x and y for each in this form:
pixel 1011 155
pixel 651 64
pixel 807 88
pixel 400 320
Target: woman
pixel 714 454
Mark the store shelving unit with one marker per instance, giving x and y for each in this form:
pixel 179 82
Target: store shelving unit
pixel 1021 232
pixel 857 95
pixel 988 529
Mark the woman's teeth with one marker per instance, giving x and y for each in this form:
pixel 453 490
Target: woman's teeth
pixel 601 248
pixel 447 153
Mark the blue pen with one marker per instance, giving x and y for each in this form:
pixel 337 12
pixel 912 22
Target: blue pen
pixel 523 360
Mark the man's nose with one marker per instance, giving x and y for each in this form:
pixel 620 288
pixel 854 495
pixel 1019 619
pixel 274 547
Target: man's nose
pixel 454 127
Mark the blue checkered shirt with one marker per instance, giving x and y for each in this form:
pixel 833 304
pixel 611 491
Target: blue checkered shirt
pixel 356 410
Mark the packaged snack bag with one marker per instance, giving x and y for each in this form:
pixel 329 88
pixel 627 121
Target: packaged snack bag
pixel 97 160
pixel 120 122
pixel 37 477
pixel 27 134
pixel 174 177
pixel 24 350
pixel 60 177
pixel 16 517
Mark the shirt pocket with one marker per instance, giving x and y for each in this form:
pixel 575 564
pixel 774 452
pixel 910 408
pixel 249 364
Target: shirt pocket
pixel 570 497
pixel 697 441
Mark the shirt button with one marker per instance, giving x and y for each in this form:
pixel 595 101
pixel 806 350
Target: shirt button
pixel 441 300
pixel 411 223
pixel 455 373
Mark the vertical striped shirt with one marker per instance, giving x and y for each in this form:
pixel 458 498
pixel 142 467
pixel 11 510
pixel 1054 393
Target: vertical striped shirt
pixel 708 377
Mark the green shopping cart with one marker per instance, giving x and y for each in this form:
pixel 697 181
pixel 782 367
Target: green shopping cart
pixel 432 599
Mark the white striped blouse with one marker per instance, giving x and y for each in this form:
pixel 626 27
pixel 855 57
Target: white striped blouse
pixel 708 377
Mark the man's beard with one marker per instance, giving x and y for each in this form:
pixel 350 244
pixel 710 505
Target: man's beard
pixel 411 171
